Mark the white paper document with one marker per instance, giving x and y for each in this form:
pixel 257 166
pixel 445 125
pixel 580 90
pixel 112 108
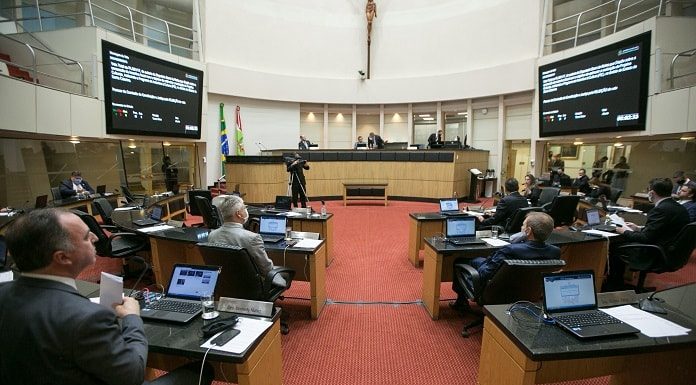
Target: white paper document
pixel 624 209
pixel 126 208
pixel 648 324
pixel 152 229
pixel 617 220
pixel 308 243
pixel 110 290
pixel 6 276
pixel 249 330
pixel 495 242
pixel 600 233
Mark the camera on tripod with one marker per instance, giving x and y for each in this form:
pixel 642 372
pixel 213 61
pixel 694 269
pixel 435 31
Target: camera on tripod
pixel 288 160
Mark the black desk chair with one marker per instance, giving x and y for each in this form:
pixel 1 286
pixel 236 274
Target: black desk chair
pixel 563 209
pixel 55 193
pixel 615 195
pixel 132 198
pixel 41 201
pixel 655 259
pixel 105 210
pixel 514 225
pixel 211 215
pixel 517 280
pixel 241 278
pixel 547 195
pixel 116 244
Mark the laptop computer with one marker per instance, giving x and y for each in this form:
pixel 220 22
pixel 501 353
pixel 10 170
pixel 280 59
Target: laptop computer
pixel 571 301
pixel 593 221
pixel 101 189
pixel 155 218
pixel 182 301
pixel 449 207
pixel 272 228
pixel 461 230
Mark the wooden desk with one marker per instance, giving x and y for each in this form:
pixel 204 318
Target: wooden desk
pixel 580 251
pixel 364 191
pixel 421 226
pixel 535 353
pixel 85 204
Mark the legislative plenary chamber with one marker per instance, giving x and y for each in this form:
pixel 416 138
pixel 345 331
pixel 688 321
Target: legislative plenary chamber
pixel 368 192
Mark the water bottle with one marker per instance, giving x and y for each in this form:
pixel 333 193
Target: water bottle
pixel 323 209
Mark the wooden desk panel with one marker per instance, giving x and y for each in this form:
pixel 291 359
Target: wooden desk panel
pixel 417 231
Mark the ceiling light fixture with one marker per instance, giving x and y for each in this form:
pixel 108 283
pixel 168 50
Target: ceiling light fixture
pixel 463 113
pixel 618 144
pixel 577 143
pixel 424 115
pixel 74 140
pixel 428 118
pixel 688 137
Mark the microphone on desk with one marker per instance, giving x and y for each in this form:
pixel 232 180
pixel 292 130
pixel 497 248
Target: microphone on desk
pixel 651 304
pixel 142 274
pixel 261 146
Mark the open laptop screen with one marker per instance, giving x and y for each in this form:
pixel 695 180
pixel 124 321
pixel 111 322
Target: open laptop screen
pixel 274 225
pixel 569 291
pixel 449 205
pixel 156 213
pixel 190 281
pixel 592 217
pixel 460 227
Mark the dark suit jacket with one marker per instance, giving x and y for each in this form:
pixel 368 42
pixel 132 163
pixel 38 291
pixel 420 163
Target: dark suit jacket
pixel 298 177
pixel 375 142
pixel 303 144
pixel 663 224
pixel 487 267
pixel 506 209
pixel 66 188
pixel 432 139
pixel 56 336
pixel 582 184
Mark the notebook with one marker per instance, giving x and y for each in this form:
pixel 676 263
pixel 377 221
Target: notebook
pixel 461 231
pixel 594 223
pixel 182 301
pixel 272 228
pixel 449 206
pixel 570 300
pixel 155 217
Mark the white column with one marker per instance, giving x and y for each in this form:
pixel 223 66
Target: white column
pixel 381 120
pixel 501 140
pixel 409 123
pixel 354 123
pixel 438 121
pixel 325 140
pixel 469 123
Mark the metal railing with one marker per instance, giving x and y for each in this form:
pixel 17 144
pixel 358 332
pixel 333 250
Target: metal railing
pixel 688 53
pixel 605 18
pixel 116 17
pixel 35 67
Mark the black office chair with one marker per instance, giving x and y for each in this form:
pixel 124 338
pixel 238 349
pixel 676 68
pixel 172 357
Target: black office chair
pixel 132 198
pixel 615 195
pixel 192 194
pixel 116 244
pixel 514 225
pixel 211 215
pixel 105 210
pixel 41 201
pixel 517 280
pixel 283 202
pixel 655 259
pixel 241 278
pixel 547 195
pixel 563 209
pixel 55 193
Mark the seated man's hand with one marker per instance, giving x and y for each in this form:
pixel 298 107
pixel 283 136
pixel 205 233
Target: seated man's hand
pixel 632 226
pixel 129 306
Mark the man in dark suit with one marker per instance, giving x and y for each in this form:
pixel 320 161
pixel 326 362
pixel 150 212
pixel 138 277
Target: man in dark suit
pixel 664 222
pixel 375 141
pixel 436 139
pixel 582 182
pixel 304 143
pixel 560 179
pixel 507 206
pixel 74 186
pixel 536 227
pixel 49 333
pixel 296 166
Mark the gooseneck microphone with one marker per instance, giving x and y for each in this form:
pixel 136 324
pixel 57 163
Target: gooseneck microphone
pixel 142 274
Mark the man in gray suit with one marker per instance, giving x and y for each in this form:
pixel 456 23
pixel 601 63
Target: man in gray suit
pixel 49 333
pixel 232 232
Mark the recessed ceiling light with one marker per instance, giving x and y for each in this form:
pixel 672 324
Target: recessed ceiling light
pixel 463 113
pixel 428 118
pixel 166 144
pixel 688 137
pixel 577 143
pixel 618 137
pixel 132 146
pixel 74 140
pixel 424 115
pixel 618 144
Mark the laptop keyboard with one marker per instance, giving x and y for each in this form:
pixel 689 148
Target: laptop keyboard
pixel 176 306
pixel 587 319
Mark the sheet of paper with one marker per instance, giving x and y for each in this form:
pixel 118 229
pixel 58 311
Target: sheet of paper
pixel 6 276
pixel 648 324
pixel 624 209
pixel 600 233
pixel 495 242
pixel 307 243
pixel 152 229
pixel 292 214
pixel 474 213
pixel 110 290
pixel 617 220
pixel 125 208
pixel 249 330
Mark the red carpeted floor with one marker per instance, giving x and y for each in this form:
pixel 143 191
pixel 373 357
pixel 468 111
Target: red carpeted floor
pixel 382 335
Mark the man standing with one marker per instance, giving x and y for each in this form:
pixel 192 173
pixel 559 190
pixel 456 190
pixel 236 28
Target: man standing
pixel 304 144
pixel 507 206
pixel 664 222
pixel 49 333
pixel 232 232
pixel 74 186
pixel 536 227
pixel 375 141
pixel 436 139
pixel 296 167
pixel 171 175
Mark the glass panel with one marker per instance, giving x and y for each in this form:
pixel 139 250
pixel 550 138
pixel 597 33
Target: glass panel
pixel 396 126
pixel 312 125
pixel 340 128
pixel 424 124
pixel 455 125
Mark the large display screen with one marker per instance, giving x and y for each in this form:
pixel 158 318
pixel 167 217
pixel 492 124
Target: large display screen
pixel 147 96
pixel 605 90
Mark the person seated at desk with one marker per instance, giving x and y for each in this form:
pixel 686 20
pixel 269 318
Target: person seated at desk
pixel 531 191
pixel 600 192
pixel 560 179
pixel 680 179
pixel 687 198
pixel 556 162
pixel 304 144
pixel 375 141
pixel 537 227
pixel 54 334
pixel 664 222
pixel 75 186
pixel 232 232
pixel 436 139
pixel 360 143
pixel 507 206
pixel 582 182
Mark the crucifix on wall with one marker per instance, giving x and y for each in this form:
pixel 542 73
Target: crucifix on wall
pixel 370 13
